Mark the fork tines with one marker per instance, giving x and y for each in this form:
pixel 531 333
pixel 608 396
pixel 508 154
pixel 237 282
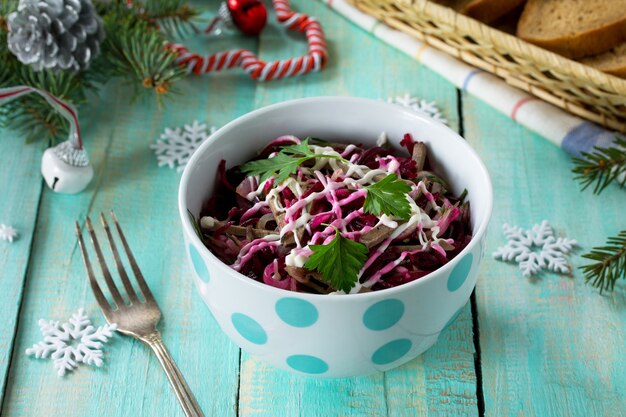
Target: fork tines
pixel 115 293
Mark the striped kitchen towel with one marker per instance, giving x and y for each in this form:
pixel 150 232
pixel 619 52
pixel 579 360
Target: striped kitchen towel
pixel 567 131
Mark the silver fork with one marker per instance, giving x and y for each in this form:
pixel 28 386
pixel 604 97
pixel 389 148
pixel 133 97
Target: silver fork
pixel 137 319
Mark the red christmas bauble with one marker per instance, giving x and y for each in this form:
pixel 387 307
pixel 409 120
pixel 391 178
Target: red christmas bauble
pixel 249 16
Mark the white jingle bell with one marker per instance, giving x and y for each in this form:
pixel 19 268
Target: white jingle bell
pixel 66 169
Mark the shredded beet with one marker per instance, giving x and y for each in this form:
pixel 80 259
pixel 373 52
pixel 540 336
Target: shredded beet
pixel 263 228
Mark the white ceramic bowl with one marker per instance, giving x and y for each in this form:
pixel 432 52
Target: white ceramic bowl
pixel 335 335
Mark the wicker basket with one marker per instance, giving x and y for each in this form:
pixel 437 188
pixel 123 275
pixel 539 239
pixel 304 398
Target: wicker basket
pixel 577 88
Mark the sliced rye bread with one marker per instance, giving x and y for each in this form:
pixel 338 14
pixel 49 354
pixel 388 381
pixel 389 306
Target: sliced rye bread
pixel 486 11
pixel 574 28
pixel 612 62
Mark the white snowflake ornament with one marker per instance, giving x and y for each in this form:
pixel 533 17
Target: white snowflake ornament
pixel 68 344
pixel 7 233
pixel 421 106
pixel 550 254
pixel 177 145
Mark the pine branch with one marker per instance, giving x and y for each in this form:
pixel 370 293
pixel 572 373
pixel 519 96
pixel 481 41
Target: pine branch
pixel 159 9
pixel 6 6
pixel 133 49
pixel 5 70
pixel 610 263
pixel 37 121
pixel 31 115
pixel 174 17
pixel 136 51
pixel 602 167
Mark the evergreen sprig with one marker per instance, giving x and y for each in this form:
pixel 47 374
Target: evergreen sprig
pixel 609 263
pixel 133 50
pixel 602 167
pixel 31 115
pixel 136 51
pixel 5 7
pixel 5 70
pixel 175 17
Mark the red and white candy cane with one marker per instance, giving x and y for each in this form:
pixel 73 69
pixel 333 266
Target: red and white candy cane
pixel 256 68
pixel 65 109
pixel 65 167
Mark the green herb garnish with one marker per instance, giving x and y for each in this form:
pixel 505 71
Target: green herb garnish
pixel 388 196
pixel 339 262
pixel 285 163
pixel 195 223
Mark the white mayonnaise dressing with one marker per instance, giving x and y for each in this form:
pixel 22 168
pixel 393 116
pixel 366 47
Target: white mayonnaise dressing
pixel 382 139
pixel 357 176
pixel 387 221
pixel 294 259
pixel 208 222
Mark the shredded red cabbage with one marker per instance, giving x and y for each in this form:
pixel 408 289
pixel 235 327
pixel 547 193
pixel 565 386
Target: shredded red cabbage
pixel 262 229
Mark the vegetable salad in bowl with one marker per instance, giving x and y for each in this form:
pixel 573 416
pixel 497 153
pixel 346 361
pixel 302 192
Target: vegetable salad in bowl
pixel 274 224
pixel 331 218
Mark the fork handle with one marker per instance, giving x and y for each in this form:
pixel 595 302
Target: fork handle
pixel 177 381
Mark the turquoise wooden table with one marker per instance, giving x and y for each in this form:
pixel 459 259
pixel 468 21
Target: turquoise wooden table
pixel 546 347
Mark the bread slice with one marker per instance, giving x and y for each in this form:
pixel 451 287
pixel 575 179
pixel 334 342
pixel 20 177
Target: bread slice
pixel 484 10
pixel 612 62
pixel 508 22
pixel 574 28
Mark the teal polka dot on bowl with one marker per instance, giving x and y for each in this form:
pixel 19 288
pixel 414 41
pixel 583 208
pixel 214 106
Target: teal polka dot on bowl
pixel 383 314
pixel 249 328
pixel 391 351
pixel 296 312
pixel 460 272
pixel 307 364
pixel 198 264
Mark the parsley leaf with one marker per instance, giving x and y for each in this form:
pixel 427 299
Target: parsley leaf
pixel 283 164
pixel 388 196
pixel 339 262
pixel 301 148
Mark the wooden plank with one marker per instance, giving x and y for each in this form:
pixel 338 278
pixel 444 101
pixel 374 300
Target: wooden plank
pixel 145 198
pixel 20 185
pixel 441 382
pixel 550 346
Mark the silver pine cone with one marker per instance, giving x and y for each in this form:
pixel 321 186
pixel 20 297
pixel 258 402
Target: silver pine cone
pixel 55 34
